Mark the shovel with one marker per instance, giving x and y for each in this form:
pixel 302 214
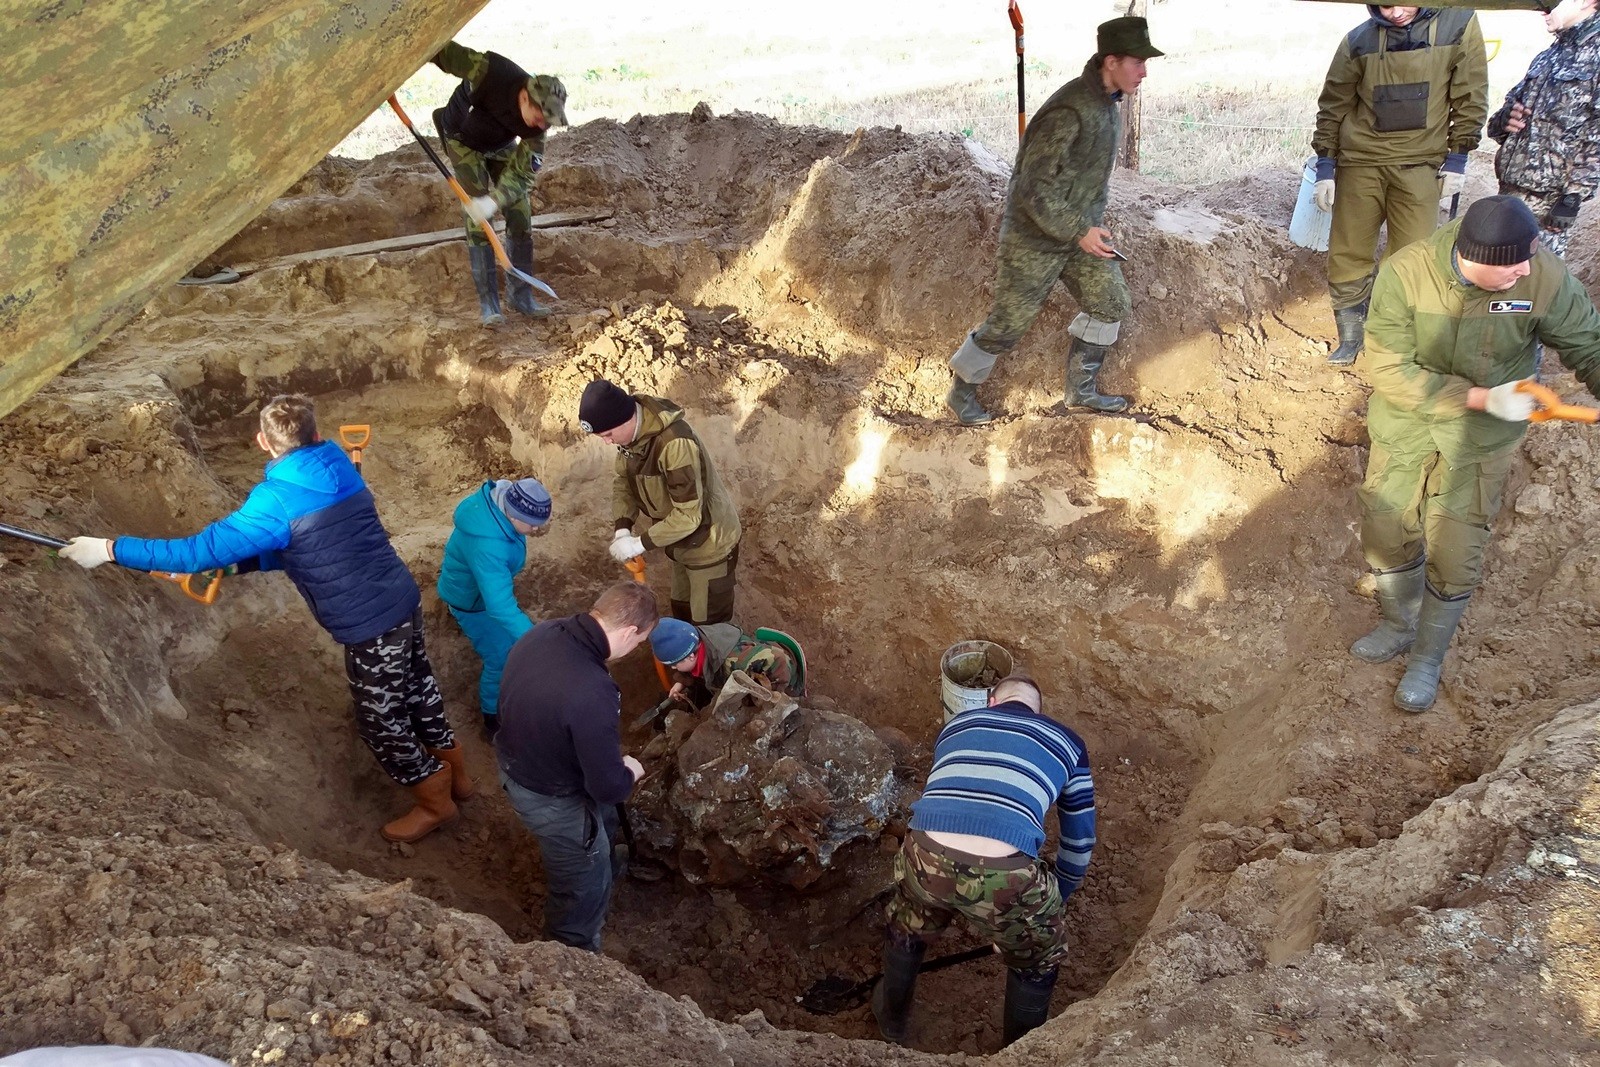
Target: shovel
pixel 203 587
pixel 636 568
pixel 836 993
pixel 461 194
pixel 355 437
pixel 1552 407
pixel 1022 97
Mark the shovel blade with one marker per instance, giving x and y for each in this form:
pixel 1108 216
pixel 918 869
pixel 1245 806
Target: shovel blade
pixel 531 280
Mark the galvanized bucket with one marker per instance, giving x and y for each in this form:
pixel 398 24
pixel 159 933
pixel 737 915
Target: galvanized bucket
pixel 964 663
pixel 1310 225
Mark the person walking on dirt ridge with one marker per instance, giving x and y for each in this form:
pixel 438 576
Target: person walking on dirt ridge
pixel 493 130
pixel 1402 105
pixel 665 474
pixel 1455 324
pixel 973 852
pixel 560 752
pixel 702 657
pixel 314 518
pixel 486 549
pixel 1052 229
pixel 1549 126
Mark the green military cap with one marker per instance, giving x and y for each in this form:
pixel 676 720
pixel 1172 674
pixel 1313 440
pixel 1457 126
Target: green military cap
pixel 1129 36
pixel 547 91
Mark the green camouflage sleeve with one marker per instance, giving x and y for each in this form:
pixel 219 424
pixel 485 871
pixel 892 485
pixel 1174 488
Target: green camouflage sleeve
pixel 462 62
pixel 1572 327
pixel 1469 91
pixel 1038 185
pixel 516 181
pixel 1390 361
pixel 1338 97
pixel 680 466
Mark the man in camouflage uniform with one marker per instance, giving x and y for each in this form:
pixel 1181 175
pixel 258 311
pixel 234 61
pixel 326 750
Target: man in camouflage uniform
pixel 1454 326
pixel 493 130
pixel 702 658
pixel 1403 104
pixel 1052 229
pixel 1549 126
pixel 973 853
pixel 665 475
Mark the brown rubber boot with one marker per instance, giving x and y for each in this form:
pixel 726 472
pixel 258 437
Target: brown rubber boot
pixel 462 787
pixel 434 809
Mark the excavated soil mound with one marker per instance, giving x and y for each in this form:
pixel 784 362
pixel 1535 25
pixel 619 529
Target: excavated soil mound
pixel 1290 871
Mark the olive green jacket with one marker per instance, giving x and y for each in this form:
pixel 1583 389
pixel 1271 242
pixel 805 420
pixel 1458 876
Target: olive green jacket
pixel 666 476
pixel 1431 337
pixel 1058 187
pixel 1392 98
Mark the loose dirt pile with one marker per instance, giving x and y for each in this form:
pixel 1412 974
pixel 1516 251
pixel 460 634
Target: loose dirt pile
pixel 1291 872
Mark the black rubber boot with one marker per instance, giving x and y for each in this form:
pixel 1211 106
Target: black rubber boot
pixel 1400 600
pixel 520 253
pixel 1352 323
pixel 1083 379
pixel 1027 1001
pixel 1436 627
pixel 963 400
pixel 891 997
pixel 486 276
pixel 491 726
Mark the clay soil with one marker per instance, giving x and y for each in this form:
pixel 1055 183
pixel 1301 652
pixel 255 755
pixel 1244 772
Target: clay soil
pixel 1290 870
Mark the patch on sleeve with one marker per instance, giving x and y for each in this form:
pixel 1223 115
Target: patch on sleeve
pixel 1510 307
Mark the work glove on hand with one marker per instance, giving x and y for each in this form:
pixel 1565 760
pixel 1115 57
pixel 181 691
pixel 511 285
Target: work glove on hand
pixel 1565 213
pixel 1505 402
pixel 88 552
pixel 481 208
pixel 626 546
pixel 1322 195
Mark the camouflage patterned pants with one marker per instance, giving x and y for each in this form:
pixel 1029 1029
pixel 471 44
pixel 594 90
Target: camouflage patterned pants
pixel 1014 902
pixel 1024 276
pixel 399 712
pixel 1540 204
pixel 478 172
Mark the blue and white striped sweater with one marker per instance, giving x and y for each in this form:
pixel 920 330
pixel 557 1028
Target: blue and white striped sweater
pixel 995 773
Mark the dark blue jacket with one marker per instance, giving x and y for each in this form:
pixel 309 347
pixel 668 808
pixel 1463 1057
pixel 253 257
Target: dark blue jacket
pixel 314 519
pixel 560 731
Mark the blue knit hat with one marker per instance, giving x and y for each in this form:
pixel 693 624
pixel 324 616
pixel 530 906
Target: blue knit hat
pixel 673 640
pixel 525 500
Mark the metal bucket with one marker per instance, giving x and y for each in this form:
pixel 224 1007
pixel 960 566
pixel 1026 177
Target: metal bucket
pixel 963 663
pixel 1310 225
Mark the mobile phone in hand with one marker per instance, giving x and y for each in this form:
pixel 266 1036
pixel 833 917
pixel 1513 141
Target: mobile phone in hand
pixel 1118 256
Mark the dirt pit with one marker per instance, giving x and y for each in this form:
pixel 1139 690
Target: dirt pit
pixel 1290 871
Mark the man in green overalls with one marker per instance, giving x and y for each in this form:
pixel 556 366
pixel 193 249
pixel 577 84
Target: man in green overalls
pixel 1403 104
pixel 1455 323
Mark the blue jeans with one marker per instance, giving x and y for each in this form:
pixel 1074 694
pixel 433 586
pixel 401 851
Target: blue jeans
pixel 493 644
pixel 576 848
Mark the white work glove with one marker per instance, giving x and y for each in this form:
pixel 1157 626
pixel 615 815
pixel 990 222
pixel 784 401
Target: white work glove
pixel 634 767
pixel 1505 402
pixel 626 547
pixel 1451 184
pixel 481 208
pixel 88 552
pixel 1322 195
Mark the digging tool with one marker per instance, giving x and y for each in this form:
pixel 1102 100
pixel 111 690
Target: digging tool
pixel 656 712
pixel 1551 406
pixel 1022 96
pixel 461 194
pixel 636 568
pixel 835 993
pixel 1455 205
pixel 355 437
pixel 203 586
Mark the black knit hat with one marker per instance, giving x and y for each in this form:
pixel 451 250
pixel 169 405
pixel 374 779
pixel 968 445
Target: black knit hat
pixel 604 407
pixel 1498 231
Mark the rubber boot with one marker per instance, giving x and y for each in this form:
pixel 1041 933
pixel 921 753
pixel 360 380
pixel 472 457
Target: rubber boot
pixel 1399 599
pixel 1436 627
pixel 963 400
pixel 1352 324
pixel 520 253
pixel 891 997
pixel 462 787
pixel 1027 1001
pixel 486 276
pixel 491 726
pixel 1083 379
pixel 434 809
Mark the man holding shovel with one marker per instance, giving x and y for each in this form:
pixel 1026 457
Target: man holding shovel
pixel 493 130
pixel 1455 323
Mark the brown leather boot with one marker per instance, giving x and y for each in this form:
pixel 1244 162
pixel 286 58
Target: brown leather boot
pixel 434 809
pixel 461 784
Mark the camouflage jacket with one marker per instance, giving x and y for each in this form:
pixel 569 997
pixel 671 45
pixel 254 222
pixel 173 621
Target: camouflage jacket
pixel 1558 151
pixel 1058 187
pixel 729 649
pixel 666 476
pixel 492 128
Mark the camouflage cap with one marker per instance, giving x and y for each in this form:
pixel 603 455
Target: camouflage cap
pixel 1129 36
pixel 547 91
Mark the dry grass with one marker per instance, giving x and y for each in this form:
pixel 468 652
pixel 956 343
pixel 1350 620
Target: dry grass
pixel 1237 90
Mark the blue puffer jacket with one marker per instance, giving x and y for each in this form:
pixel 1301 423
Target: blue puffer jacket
pixel 313 518
pixel 481 558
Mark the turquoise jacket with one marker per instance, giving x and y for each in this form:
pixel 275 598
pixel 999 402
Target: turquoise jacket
pixel 481 559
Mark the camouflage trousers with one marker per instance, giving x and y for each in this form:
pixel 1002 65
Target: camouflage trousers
pixel 478 173
pixel 1015 902
pixel 1540 204
pixel 704 595
pixel 399 711
pixel 1024 276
